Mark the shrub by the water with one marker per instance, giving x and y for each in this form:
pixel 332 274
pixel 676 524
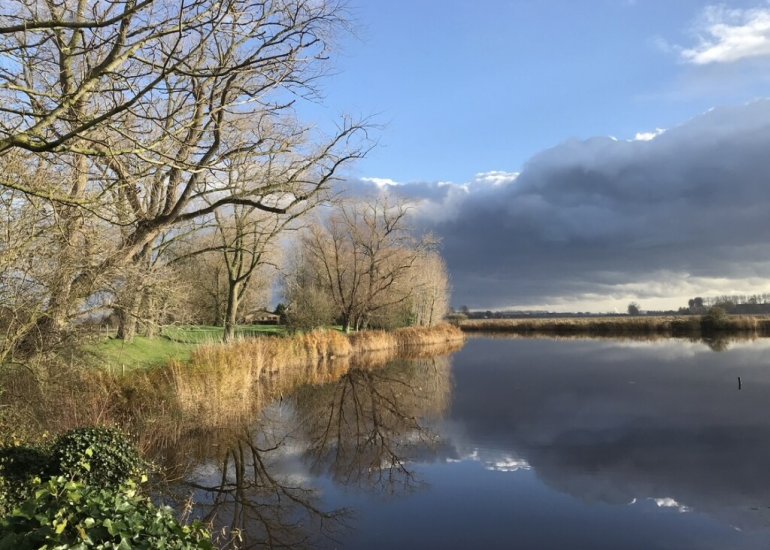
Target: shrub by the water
pixel 82 493
pixel 19 466
pixel 110 456
pixel 716 319
pixel 62 513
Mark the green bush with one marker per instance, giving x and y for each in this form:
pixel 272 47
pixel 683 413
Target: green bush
pixel 62 513
pixel 716 319
pixel 19 465
pixel 98 456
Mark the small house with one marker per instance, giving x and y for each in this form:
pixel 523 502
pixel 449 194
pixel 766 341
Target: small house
pixel 262 317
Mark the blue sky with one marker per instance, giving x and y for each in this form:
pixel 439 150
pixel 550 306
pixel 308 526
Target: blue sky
pixel 464 87
pixel 515 128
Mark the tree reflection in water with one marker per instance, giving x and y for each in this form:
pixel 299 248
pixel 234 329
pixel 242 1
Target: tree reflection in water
pixel 254 504
pixel 363 428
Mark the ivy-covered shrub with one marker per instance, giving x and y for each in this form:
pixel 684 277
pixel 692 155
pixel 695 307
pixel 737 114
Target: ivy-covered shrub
pixel 81 493
pixel 20 462
pixel 19 465
pixel 98 456
pixel 62 513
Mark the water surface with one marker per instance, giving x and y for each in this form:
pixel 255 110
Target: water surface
pixel 528 443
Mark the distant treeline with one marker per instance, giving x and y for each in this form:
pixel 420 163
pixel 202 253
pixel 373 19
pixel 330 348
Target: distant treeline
pixel 737 304
pixel 512 314
pixel 738 299
pixel 716 322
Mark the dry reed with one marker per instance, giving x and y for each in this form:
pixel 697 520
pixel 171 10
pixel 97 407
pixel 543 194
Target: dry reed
pixel 405 338
pixel 223 383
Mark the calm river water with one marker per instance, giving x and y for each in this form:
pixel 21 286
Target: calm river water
pixel 511 443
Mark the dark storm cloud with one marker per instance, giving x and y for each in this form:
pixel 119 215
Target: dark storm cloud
pixel 686 212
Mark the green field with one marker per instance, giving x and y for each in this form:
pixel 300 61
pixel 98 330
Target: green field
pixel 141 352
pixel 174 343
pixel 201 334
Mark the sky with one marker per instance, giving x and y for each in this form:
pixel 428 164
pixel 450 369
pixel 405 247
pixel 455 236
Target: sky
pixel 572 156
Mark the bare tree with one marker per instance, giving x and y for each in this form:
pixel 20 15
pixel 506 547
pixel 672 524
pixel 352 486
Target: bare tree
pixel 362 255
pixel 143 290
pixel 429 302
pixel 148 100
pixel 203 279
pixel 42 244
pixel 310 305
pixel 248 242
pixel 76 69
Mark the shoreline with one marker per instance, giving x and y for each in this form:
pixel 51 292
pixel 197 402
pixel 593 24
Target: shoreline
pixel 671 326
pixel 218 385
pixel 318 346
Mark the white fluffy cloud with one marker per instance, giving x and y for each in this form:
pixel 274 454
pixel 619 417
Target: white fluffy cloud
pixel 648 136
pixel 381 182
pixel 496 177
pixel 668 502
pixel 729 35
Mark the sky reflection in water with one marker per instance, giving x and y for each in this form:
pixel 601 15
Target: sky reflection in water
pixel 525 443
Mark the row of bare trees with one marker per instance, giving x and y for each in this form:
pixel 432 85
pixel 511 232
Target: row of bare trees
pixel 153 159
pixel 124 123
pixel 363 267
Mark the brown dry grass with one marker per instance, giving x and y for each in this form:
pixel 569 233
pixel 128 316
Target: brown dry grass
pixel 222 383
pixel 405 338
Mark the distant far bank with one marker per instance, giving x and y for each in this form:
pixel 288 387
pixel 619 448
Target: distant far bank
pixel 716 322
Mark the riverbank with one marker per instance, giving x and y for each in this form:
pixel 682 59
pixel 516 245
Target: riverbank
pixel 179 344
pixel 685 325
pixel 316 346
pixel 216 385
pixel 230 373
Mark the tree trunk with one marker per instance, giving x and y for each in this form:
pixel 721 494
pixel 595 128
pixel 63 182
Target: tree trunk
pixel 232 311
pixel 128 309
pixel 73 289
pixel 128 315
pixel 149 315
pixel 43 335
pixel 131 308
pixel 126 326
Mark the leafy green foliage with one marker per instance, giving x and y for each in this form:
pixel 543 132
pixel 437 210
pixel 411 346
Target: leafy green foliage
pixel 62 513
pixel 81 493
pixel 19 465
pixel 99 456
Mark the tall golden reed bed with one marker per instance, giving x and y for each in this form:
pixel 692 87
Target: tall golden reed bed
pixel 220 385
pixel 222 382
